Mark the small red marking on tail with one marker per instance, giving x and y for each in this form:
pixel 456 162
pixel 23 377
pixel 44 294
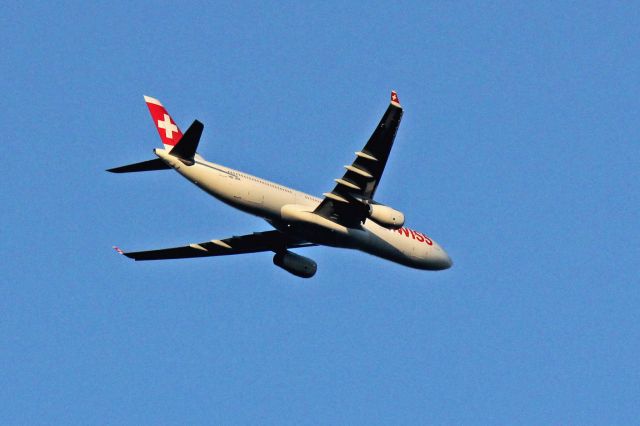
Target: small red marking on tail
pixel 394 97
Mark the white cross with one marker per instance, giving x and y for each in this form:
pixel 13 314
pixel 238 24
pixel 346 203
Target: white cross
pixel 168 126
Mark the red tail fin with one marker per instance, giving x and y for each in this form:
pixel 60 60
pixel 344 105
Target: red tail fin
pixel 167 128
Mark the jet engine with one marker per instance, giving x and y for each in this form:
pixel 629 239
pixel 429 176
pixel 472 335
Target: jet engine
pixel 386 216
pixel 295 264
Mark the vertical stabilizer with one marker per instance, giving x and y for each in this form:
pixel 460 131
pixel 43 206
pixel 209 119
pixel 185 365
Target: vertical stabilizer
pixel 167 128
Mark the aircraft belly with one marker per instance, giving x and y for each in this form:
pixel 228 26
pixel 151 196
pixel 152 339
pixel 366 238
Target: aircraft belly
pixel 320 235
pixel 298 220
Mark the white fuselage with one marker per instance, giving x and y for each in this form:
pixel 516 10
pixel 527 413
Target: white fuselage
pixel 291 212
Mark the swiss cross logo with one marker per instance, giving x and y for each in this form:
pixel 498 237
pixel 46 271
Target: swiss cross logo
pixel 394 97
pixel 168 126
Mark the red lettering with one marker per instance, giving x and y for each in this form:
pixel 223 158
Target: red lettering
pixel 416 235
pixel 404 231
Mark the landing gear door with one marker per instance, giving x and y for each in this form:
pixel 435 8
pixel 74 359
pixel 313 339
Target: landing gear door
pixel 254 196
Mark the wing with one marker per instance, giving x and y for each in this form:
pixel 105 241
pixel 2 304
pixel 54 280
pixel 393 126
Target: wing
pixel 347 204
pixel 251 243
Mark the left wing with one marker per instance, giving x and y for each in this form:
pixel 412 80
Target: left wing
pixel 348 203
pixel 251 243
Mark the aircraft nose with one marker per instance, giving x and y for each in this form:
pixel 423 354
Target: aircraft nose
pixel 443 261
pixel 448 262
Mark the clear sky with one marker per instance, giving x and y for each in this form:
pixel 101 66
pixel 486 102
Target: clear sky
pixel 518 151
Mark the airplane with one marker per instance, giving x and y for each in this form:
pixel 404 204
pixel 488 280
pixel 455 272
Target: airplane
pixel 346 217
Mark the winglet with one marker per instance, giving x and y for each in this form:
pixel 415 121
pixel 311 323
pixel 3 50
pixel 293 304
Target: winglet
pixel 118 249
pixel 394 98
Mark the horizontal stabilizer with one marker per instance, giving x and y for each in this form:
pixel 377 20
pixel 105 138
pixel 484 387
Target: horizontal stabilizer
pixel 145 166
pixel 188 144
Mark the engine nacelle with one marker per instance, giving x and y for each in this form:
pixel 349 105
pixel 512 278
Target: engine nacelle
pixel 295 264
pixel 386 216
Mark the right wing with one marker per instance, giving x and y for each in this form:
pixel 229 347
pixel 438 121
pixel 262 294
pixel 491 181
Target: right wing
pixel 251 243
pixel 348 203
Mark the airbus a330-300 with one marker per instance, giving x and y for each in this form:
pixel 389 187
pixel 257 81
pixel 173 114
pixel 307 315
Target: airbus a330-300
pixel 346 217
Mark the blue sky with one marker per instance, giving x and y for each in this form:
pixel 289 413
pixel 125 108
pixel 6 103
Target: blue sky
pixel 518 152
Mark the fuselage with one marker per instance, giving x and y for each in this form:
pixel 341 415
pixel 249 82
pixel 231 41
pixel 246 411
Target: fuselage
pixel 291 212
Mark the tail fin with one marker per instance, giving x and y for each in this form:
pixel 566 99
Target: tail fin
pixel 167 128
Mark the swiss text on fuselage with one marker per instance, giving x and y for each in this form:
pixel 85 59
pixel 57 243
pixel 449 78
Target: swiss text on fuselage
pixel 416 235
